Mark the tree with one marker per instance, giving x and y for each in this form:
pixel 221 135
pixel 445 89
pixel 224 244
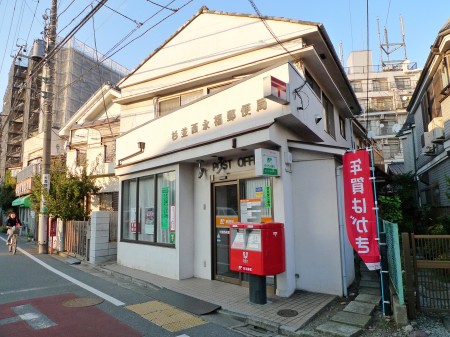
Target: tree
pixel 398 203
pixel 68 192
pixel 7 192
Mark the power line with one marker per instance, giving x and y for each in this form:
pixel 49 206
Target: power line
pixel 387 15
pixel 270 29
pixel 67 38
pixel 73 19
pixel 101 89
pixel 123 15
pixel 113 50
pixel 65 9
pixel 351 23
pixel 164 7
pixel 32 21
pixel 9 34
pixel 19 21
pixel 145 32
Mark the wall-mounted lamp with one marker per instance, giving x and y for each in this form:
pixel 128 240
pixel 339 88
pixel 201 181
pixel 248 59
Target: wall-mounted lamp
pixel 317 118
pixel 201 170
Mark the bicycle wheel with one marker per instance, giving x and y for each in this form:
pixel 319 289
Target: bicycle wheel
pixel 14 244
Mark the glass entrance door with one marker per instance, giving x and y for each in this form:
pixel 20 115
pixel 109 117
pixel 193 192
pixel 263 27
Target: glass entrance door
pixel 226 211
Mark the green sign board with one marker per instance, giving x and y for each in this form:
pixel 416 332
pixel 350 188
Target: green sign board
pixel 267 197
pixel 165 208
pixel 266 163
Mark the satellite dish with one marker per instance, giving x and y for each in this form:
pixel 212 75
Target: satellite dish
pixel 396 128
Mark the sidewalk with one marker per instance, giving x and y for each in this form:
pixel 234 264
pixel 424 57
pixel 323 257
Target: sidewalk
pixel 234 299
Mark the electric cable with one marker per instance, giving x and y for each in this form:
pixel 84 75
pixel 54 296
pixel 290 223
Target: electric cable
pixel 164 7
pixel 145 32
pixel 9 35
pixel 387 16
pixel 125 16
pixel 64 10
pixel 32 21
pixel 19 21
pixel 101 80
pixel 73 19
pixel 67 37
pixel 111 52
pixel 351 23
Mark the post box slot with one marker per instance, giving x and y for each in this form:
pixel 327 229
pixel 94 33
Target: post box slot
pixel 238 238
pixel 253 240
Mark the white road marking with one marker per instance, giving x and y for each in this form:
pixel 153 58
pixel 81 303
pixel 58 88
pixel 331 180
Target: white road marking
pixel 31 289
pixel 73 280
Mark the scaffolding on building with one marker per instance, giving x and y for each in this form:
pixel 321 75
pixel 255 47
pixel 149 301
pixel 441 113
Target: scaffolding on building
pixel 80 71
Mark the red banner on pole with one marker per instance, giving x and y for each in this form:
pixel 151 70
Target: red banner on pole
pixel 360 216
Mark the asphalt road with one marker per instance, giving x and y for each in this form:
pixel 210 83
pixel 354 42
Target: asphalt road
pixel 43 295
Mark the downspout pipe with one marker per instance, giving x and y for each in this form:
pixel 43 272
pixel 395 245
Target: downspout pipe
pixel 342 233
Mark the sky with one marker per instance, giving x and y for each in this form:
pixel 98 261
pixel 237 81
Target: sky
pixel 130 30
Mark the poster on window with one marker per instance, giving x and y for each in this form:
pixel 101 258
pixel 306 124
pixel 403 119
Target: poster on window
pixel 360 216
pixel 149 220
pixel 172 219
pixel 165 208
pixel 133 221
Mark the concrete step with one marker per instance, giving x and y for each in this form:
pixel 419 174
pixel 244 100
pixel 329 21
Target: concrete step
pixel 350 318
pixel 370 276
pixel 369 284
pixel 339 329
pixel 370 291
pixel 360 308
pixel 368 298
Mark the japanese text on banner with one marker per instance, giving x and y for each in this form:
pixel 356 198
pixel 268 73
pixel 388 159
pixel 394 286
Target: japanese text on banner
pixel 360 214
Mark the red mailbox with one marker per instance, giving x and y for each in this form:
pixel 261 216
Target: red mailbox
pixel 257 249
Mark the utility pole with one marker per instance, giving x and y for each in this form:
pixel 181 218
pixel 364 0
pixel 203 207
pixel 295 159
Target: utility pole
pixel 48 82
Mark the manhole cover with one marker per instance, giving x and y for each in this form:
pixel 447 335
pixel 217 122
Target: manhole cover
pixel 287 313
pixel 82 302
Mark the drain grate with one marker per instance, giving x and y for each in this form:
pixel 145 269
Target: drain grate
pixel 287 313
pixel 254 331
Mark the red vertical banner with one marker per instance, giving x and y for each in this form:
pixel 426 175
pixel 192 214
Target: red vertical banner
pixel 360 216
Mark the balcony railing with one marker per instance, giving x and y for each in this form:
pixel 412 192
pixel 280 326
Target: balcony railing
pixel 28 172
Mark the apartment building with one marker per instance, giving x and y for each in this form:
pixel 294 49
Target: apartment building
pixel 384 91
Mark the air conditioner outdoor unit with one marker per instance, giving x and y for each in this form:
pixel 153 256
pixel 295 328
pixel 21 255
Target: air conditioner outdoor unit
pixel 428 148
pixel 438 135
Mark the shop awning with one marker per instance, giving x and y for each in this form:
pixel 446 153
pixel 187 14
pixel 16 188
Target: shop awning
pixel 22 201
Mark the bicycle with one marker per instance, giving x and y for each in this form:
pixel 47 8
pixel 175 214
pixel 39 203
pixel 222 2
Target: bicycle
pixel 12 245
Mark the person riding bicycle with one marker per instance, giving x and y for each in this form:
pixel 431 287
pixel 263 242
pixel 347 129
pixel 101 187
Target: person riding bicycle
pixel 12 223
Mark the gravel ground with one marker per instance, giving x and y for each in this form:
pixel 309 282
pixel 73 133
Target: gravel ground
pixel 425 325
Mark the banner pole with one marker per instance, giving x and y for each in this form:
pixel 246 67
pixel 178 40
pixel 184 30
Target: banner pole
pixel 382 246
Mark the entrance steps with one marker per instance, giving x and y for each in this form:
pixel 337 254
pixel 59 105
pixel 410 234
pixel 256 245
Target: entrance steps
pixel 357 315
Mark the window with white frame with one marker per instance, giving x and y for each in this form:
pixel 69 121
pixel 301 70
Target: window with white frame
pixel 168 105
pixel 148 209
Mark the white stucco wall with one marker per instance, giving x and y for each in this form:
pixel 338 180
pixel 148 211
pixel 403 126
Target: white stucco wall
pixel 318 263
pixel 185 241
pixel 202 224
